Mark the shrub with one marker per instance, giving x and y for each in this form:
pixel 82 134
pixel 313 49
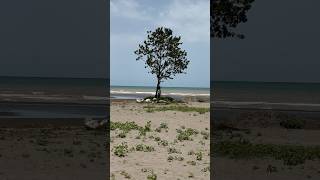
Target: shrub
pixel 121 150
pixel 292 123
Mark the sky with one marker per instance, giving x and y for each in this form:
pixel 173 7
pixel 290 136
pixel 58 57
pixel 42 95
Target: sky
pixel 53 38
pixel 281 45
pixel 131 19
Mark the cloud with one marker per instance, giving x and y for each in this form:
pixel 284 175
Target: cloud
pixel 189 18
pixel 130 9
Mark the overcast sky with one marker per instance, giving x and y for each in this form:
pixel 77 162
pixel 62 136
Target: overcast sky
pixel 60 38
pixel 281 44
pixel 131 19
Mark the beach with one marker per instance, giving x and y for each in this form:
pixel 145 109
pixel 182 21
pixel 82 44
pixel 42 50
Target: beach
pixel 43 132
pixel 265 131
pixel 164 141
pixel 64 152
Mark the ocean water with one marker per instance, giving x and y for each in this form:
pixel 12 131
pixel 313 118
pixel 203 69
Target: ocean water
pixel 268 95
pixel 133 92
pixel 72 86
pixel 53 97
pixel 266 91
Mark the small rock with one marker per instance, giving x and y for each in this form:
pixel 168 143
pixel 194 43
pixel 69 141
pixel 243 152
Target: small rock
pixel 95 124
pixel 139 100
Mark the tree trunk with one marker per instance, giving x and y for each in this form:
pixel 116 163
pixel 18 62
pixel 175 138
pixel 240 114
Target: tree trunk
pixel 158 91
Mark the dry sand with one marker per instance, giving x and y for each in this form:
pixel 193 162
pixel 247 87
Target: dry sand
pixel 64 153
pixel 258 128
pixel 138 165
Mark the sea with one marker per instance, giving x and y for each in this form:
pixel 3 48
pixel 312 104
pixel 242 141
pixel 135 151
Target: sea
pixel 135 92
pixel 42 97
pixel 272 92
pixel 73 97
pixel 230 99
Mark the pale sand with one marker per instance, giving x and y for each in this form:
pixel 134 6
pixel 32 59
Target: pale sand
pixel 70 153
pixel 258 128
pixel 156 161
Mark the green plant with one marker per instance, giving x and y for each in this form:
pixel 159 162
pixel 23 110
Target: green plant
pixel 164 126
pixel 144 148
pixel 205 135
pixel 173 151
pixel 163 143
pixel 200 110
pixel 292 123
pixel 152 176
pixel 170 158
pixel 193 163
pixel 121 150
pixel 186 134
pixel 125 174
pixel 289 154
pixel 199 155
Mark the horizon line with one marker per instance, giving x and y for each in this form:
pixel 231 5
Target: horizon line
pixel 53 77
pixel 235 81
pixel 161 86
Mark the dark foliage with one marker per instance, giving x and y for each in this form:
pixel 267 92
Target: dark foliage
pixel 226 15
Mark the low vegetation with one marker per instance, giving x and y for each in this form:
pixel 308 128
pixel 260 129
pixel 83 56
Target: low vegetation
pixel 184 135
pixel 289 154
pixel 144 148
pixel 292 123
pixel 121 150
pixel 200 110
pixel 129 126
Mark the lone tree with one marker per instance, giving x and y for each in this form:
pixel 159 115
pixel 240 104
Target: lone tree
pixel 226 15
pixel 162 54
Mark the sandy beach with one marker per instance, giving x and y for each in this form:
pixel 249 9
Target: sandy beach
pixel 265 144
pixel 43 136
pixel 161 142
pixel 66 151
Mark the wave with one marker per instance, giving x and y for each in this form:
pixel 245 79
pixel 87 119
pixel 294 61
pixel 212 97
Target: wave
pixel 153 93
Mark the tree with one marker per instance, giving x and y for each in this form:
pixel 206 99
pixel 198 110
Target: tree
pixel 163 56
pixel 226 15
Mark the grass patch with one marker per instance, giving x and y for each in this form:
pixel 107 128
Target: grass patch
pixel 205 135
pixel 163 142
pixel 125 174
pixel 184 135
pixel 162 126
pixel 129 126
pixel 292 123
pixel 144 148
pixel 174 150
pixel 199 155
pixel 152 176
pixel 200 110
pixel 289 154
pixel 121 150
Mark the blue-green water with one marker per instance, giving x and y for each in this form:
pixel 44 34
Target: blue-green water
pixel 276 92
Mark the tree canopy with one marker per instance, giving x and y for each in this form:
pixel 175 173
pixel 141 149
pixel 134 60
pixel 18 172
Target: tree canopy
pixel 226 15
pixel 163 55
